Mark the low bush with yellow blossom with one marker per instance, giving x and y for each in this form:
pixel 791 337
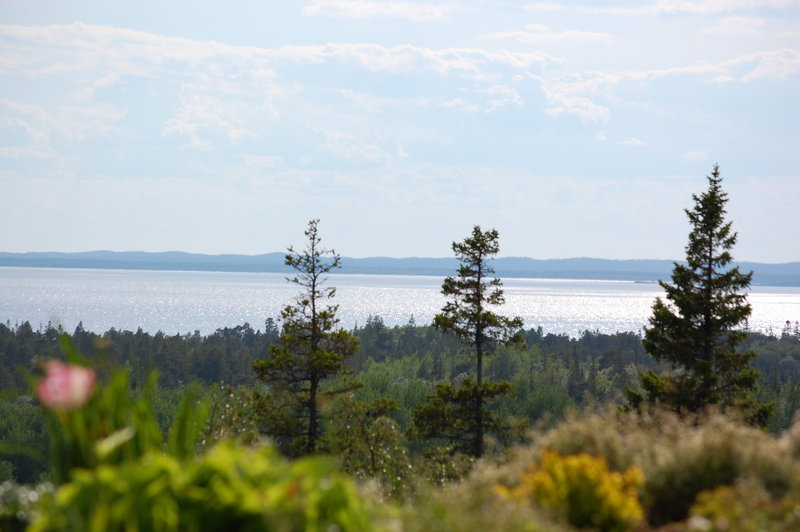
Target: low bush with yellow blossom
pixel 582 491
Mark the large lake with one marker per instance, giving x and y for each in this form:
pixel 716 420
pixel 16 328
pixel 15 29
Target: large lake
pixel 184 302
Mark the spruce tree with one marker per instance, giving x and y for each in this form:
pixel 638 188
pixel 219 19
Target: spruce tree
pixel 310 351
pixel 459 414
pixel 702 322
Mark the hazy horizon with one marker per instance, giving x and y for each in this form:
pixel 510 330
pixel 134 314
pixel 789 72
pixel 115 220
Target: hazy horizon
pixel 348 256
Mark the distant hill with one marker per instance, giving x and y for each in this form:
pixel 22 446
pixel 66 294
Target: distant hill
pixel 787 274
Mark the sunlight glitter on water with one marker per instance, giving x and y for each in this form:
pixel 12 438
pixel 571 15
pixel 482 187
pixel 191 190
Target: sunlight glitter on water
pixel 184 302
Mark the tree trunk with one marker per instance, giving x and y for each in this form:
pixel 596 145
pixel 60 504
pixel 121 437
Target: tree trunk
pixel 312 416
pixel 479 402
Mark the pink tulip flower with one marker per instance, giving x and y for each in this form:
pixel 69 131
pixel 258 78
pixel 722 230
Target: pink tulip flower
pixel 65 386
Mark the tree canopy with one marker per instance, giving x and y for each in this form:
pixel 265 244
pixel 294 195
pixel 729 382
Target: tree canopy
pixel 702 322
pixel 311 349
pixel 459 414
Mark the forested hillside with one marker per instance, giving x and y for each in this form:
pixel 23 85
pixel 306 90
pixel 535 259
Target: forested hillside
pixel 787 274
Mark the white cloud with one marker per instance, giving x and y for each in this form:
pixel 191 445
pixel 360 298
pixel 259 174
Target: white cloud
pixel 565 98
pixel 377 104
pixel 101 83
pixel 583 108
pixel 264 161
pixel 201 112
pixel 575 93
pixel 539 34
pixel 34 112
pixel 21 152
pixel 462 105
pixel 500 96
pixel 352 147
pixel 695 157
pixel 82 122
pixel 365 9
pixel 545 6
pixel 36 136
pixel 736 26
pixel 77 122
pixel 496 96
pixel 773 64
pixel 215 89
pixel 705 7
pixel 666 7
pixel 633 142
pixel 65 48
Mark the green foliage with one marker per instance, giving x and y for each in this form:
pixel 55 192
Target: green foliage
pixel 116 471
pixel 745 507
pixel 698 331
pixel 19 504
pixel 679 458
pixel 114 426
pixel 369 444
pixel 229 488
pixel 450 414
pixel 225 355
pixel 472 504
pixel 185 434
pixel 581 491
pixel 473 294
pixel 443 464
pixel 469 317
pixel 311 350
pixel 24 445
pixel 231 415
pixel 108 423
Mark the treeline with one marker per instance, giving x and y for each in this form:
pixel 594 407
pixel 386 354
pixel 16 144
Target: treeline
pixel 227 354
pixel 550 372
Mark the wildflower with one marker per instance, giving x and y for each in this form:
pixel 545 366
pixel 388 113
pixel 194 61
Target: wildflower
pixel 65 386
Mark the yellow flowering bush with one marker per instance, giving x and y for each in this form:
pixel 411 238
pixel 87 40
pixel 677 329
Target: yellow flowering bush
pixel 581 490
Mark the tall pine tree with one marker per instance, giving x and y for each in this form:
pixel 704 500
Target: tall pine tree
pixel 311 350
pixel 698 329
pixel 459 414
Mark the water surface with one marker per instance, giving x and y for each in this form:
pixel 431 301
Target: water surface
pixel 184 302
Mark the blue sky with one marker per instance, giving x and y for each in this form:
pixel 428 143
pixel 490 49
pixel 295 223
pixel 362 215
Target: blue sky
pixel 573 128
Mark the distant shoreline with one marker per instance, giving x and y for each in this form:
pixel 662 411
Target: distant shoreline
pixel 646 271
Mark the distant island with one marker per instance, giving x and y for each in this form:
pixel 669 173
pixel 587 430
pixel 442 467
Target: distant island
pixel 787 274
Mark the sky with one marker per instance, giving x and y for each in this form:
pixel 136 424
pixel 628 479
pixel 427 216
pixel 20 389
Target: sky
pixel 576 129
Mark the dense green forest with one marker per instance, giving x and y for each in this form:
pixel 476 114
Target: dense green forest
pixel 550 373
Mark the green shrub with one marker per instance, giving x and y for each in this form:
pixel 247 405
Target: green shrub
pixel 230 488
pixel 745 507
pixel 679 458
pixel 472 505
pixel 581 491
pixel 369 444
